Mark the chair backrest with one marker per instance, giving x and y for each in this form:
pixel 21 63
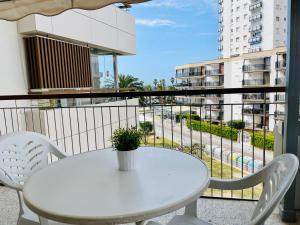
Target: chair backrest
pixel 22 154
pixel 278 177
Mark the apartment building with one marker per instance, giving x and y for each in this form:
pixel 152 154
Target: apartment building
pixel 266 68
pixel 251 26
pixel 252 50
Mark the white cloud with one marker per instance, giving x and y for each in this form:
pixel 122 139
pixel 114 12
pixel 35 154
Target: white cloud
pixel 183 4
pixel 155 22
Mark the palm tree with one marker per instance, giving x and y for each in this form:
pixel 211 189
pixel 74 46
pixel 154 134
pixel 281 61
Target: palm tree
pixel 127 81
pixel 155 82
pixel 172 81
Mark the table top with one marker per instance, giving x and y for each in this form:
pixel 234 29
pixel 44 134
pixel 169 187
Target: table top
pixel 89 188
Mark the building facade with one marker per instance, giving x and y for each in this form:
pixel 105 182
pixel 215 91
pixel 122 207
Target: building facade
pixel 251 26
pixel 252 40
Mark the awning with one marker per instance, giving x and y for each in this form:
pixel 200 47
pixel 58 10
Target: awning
pixel 13 10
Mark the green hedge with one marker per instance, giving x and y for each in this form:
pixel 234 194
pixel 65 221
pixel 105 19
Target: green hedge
pixel 226 132
pixel 188 116
pixel 258 140
pixel 237 124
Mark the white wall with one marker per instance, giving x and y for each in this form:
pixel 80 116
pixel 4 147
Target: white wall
pixel 109 28
pixel 12 68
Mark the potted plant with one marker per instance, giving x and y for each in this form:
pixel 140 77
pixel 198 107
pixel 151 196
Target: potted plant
pixel 126 142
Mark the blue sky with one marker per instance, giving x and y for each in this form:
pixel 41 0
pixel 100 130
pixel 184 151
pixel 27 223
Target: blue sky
pixel 170 33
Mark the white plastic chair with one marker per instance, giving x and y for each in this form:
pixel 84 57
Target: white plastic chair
pixel 21 155
pixel 277 177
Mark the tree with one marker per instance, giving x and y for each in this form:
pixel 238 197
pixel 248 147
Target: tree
pixel 127 81
pixel 172 81
pixel 155 82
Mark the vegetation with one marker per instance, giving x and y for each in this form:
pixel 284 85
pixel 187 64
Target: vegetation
pixel 218 130
pixel 188 116
pixel 127 81
pixel 258 140
pixel 126 140
pixel 237 124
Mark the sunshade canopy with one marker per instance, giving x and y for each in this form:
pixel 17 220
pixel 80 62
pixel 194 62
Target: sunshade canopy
pixel 13 10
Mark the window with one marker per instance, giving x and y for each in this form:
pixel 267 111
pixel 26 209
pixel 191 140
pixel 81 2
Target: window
pixel 245 5
pixel 245 16
pixel 237 29
pixel 237 39
pixel 245 27
pixel 237 8
pixel 238 19
pixel 277 18
pixel 245 37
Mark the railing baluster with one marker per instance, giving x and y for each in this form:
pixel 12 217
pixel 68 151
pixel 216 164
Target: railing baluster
pixel 63 128
pixel 71 132
pixel 78 129
pixel 95 128
pixel 5 122
pixel 102 120
pixel 172 128
pixel 162 125
pixel 191 130
pixel 86 129
pixel 181 141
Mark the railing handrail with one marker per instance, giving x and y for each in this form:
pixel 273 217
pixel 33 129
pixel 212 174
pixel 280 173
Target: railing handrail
pixel 91 94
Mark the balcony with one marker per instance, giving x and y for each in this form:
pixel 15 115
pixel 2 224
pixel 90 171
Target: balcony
pixel 256 17
pixel 213 84
pixel 188 74
pixel 255 40
pixel 254 98
pixel 254 82
pixel 257 28
pixel 253 111
pixel 280 65
pixel 256 5
pixel 280 81
pixel 183 85
pixel 214 72
pixel 256 68
pixel 77 129
pixel 279 98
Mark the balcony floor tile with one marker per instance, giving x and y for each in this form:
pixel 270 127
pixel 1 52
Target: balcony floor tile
pixel 213 210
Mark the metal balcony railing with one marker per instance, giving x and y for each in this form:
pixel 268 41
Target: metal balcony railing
pixel 188 74
pixel 280 81
pixel 254 97
pixel 253 82
pixel 82 122
pixel 213 72
pixel 280 64
pixel 256 67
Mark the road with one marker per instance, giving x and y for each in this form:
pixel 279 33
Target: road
pixel 207 139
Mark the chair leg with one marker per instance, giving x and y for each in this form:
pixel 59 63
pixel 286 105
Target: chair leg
pixel 191 209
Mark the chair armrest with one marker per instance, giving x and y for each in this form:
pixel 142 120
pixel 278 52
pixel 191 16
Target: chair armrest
pixel 238 184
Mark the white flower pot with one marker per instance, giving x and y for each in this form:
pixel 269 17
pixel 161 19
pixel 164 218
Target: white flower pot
pixel 127 160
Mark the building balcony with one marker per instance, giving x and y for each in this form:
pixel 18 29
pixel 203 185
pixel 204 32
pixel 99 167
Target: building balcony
pixel 280 65
pixel 254 82
pixel 280 81
pixel 256 28
pixel 188 74
pixel 256 17
pixel 253 111
pixel 254 98
pixel 183 85
pixel 279 98
pixel 214 72
pixel 256 5
pixel 255 40
pixel 213 84
pixel 78 129
pixel 256 68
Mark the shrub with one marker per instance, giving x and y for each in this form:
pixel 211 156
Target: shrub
pixel 226 132
pixel 237 124
pixel 146 127
pixel 188 116
pixel 258 140
pixel 126 140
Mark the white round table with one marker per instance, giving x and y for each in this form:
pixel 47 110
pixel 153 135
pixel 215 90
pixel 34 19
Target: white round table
pixel 89 188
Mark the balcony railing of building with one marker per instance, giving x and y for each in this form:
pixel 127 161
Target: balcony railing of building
pixel 279 97
pixel 213 72
pixel 255 97
pixel 280 65
pixel 213 83
pixel 280 81
pixel 188 74
pixel 78 128
pixel 255 111
pixel 183 85
pixel 254 82
pixel 256 67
